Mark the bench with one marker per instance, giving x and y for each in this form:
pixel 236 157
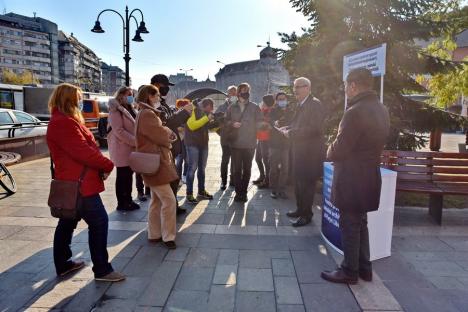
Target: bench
pixel 433 173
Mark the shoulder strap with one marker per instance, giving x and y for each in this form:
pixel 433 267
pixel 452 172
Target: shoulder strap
pixel 52 171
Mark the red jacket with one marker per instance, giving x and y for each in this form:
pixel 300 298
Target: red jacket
pixel 72 147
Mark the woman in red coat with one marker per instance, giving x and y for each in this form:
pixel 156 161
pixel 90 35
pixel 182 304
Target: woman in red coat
pixel 74 152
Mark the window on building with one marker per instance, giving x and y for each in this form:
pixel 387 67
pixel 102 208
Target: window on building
pixel 30 44
pixel 6 101
pixel 11 52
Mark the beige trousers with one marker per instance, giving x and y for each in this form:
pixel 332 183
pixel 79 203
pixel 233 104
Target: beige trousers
pixel 162 213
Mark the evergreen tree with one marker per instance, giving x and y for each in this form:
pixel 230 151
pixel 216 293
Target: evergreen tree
pixel 339 27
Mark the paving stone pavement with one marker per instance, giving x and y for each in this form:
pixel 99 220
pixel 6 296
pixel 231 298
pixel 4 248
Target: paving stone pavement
pixel 230 257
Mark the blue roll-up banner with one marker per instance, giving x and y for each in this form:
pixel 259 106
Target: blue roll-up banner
pixel 330 214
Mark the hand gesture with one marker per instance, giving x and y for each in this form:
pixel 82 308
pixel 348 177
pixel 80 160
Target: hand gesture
pixel 236 124
pixel 188 108
pixel 105 175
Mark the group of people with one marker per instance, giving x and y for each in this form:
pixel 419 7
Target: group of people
pixel 288 140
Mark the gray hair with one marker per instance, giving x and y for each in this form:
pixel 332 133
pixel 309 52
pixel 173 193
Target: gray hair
pixel 303 80
pixel 231 88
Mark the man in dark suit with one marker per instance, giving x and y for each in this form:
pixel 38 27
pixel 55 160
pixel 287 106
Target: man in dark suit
pixel 308 149
pixel 356 154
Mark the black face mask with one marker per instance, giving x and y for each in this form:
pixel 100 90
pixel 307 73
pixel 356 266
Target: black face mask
pixel 245 95
pixel 164 90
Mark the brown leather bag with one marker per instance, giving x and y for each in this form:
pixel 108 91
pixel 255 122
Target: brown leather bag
pixel 144 163
pixel 65 198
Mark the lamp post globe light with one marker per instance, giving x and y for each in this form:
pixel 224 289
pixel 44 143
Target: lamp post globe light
pixel 141 29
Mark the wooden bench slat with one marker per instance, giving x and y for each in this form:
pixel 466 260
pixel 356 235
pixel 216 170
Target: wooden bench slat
pixel 451 170
pixel 450 162
pixel 419 187
pixel 406 154
pixel 413 177
pixel 416 169
pixel 452 178
pixel 454 188
pixel 412 161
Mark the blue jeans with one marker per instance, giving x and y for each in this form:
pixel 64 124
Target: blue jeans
pixel 197 158
pixel 93 212
pixel 181 162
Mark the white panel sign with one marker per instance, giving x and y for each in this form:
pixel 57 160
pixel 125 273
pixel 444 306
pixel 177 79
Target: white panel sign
pixel 372 59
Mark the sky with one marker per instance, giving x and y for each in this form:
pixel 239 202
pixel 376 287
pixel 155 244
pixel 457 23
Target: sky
pixel 184 34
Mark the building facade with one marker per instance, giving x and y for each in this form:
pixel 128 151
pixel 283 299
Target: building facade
pixel 112 78
pixel 265 75
pixel 185 84
pixel 78 64
pixel 29 43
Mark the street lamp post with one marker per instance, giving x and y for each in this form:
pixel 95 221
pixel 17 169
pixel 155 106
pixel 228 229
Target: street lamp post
pixel 186 71
pixel 141 29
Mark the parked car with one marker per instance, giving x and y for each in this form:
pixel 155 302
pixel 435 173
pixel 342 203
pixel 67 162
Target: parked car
pixel 15 124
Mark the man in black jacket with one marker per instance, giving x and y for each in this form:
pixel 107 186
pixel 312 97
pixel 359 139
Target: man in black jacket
pixel 280 116
pixel 226 149
pixel 172 119
pixel 356 186
pixel 245 118
pixel 308 149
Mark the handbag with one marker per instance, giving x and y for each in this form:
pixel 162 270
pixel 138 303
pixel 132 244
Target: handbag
pixel 64 197
pixel 144 163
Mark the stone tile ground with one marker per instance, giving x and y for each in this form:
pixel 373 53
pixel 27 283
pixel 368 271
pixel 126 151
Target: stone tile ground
pixel 231 257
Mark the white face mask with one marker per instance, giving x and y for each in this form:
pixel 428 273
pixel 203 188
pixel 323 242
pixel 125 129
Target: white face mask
pixel 157 104
pixel 233 99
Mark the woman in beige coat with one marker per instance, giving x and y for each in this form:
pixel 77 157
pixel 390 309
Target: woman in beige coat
pixel 153 137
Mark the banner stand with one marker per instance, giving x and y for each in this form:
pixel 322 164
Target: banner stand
pixel 373 59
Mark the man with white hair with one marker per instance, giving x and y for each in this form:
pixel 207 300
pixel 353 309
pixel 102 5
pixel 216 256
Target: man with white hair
pixel 308 149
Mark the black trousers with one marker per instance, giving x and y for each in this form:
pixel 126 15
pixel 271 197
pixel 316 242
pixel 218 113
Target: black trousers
pixel 242 164
pixel 355 243
pixel 262 158
pixel 123 186
pixel 304 190
pixel 226 156
pixel 140 186
pixel 94 214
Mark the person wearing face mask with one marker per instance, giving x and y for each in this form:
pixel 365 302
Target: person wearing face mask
pixel 121 141
pixel 226 149
pixel 152 137
pixel 244 117
pixel 172 119
pixel 280 116
pixel 263 136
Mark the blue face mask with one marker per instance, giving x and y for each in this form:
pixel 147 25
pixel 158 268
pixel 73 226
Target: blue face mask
pixel 282 103
pixel 80 105
pixel 130 99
